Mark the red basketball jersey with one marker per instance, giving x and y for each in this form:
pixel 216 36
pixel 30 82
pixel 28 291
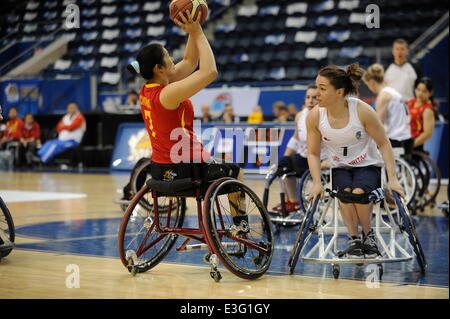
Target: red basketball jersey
pixel 416 116
pixel 161 123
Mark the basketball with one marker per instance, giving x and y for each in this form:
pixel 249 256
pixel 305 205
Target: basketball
pixel 193 6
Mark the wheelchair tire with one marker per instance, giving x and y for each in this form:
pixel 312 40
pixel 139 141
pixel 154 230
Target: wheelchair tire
pixel 430 169
pixel 407 224
pixel 138 179
pixel 155 245
pixel 304 231
pixel 6 226
pixel 245 249
pixel 304 187
pixel 407 179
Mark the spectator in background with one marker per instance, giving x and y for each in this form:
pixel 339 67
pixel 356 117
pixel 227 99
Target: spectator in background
pixel 292 110
pixel 206 116
pixel 31 138
pixel 283 114
pixel 422 112
pixel 402 74
pixel 228 114
pixel 13 131
pixel 276 108
pixel 132 98
pixel 256 117
pixel 71 130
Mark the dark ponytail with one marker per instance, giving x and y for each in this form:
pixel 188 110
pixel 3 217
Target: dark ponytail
pixel 147 58
pixel 343 79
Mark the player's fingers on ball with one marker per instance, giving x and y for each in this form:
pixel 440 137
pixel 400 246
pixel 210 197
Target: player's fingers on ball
pixel 189 16
pixel 199 16
pixel 177 22
pixel 185 16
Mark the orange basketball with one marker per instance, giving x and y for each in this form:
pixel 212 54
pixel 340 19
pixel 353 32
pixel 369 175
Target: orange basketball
pixel 193 6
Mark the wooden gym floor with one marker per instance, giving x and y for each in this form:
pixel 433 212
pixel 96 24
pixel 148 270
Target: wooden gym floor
pixel 70 219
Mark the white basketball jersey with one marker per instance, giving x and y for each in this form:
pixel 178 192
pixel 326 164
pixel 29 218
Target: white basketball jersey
pixel 301 127
pixel 350 146
pixel 397 120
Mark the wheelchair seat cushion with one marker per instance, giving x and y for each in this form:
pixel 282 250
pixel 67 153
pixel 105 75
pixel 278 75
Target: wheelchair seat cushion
pixel 177 179
pixel 179 187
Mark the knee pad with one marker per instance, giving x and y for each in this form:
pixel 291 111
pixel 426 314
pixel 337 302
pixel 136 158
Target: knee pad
pixel 348 197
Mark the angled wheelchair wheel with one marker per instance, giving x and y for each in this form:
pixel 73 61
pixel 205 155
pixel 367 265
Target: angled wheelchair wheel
pixel 244 244
pixel 140 175
pixel 304 187
pixel 7 230
pixel 270 177
pixel 432 176
pixel 407 179
pixel 303 233
pixel 406 224
pixel 141 246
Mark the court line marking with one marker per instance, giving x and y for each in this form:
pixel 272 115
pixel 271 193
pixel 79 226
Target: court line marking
pixel 19 196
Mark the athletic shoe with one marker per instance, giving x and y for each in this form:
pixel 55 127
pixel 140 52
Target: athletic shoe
pixel 370 247
pixel 290 207
pixel 354 250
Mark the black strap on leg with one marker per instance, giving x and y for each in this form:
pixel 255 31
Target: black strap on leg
pixel 348 197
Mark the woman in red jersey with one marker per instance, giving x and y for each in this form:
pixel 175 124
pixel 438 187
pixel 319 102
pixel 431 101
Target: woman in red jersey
pixel 421 111
pixel 167 111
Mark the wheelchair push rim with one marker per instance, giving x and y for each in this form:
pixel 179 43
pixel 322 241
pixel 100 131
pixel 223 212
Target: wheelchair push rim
pixel 409 228
pixel 147 246
pixel 6 226
pixel 245 250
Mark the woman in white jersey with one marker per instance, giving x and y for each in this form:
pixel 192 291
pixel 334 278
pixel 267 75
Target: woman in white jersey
pixel 295 156
pixel 350 132
pixel 391 109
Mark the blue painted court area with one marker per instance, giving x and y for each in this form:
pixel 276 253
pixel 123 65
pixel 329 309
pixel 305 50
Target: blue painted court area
pixel 98 237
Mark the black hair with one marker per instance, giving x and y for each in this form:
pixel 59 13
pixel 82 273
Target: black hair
pixel 425 81
pixel 147 58
pixel 428 84
pixel 346 79
pixel 311 86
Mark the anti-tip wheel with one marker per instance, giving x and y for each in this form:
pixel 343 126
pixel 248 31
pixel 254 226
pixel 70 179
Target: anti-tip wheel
pixel 336 271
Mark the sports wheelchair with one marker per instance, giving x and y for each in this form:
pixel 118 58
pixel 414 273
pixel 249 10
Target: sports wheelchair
pixel 242 243
pixel 7 230
pixel 283 219
pixel 318 237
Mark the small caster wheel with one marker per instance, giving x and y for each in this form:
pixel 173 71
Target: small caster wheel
pixel 380 271
pixel 206 258
pixel 336 270
pixel 132 270
pixel 216 275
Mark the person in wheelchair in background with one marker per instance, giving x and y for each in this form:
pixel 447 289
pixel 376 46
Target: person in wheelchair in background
pixel 391 109
pixel 350 132
pixel 422 113
pixel 169 114
pixel 295 156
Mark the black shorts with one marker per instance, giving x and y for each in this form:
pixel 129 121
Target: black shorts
pixel 367 178
pixel 295 163
pixel 407 145
pixel 205 172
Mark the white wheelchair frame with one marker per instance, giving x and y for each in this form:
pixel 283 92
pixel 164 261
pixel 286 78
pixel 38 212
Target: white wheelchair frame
pixel 391 248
